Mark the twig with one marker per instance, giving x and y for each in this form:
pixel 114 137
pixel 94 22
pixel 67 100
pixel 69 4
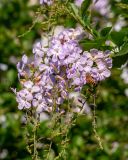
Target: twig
pixel 94 123
pixel 49 150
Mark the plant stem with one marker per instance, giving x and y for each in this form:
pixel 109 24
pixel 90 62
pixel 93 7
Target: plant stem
pixel 78 19
pixel 49 150
pixel 35 156
pixel 94 123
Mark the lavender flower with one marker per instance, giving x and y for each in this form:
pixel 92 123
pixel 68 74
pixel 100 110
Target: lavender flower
pixel 21 66
pixel 78 2
pixel 24 98
pixel 46 2
pixel 59 67
pixel 102 6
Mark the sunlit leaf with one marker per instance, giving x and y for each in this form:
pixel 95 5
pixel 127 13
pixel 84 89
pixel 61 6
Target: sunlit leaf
pixel 105 31
pixel 123 51
pixel 119 37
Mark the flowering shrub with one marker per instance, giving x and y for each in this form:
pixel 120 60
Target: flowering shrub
pixel 60 68
pixel 62 64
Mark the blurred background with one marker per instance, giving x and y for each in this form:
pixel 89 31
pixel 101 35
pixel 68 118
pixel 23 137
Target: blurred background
pixel 16 17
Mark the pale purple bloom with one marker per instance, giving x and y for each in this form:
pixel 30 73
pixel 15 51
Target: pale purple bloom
pixel 76 81
pixel 35 102
pixel 21 65
pixel 35 89
pixel 43 67
pixel 108 62
pixel 48 2
pixel 124 75
pixel 38 49
pixel 64 94
pixel 24 98
pixel 28 84
pixel 60 100
pixel 71 73
pixel 42 107
pixel 78 2
pixel 102 6
pixel 38 96
pixel 106 73
pixel 24 59
pixel 37 60
pixel 100 64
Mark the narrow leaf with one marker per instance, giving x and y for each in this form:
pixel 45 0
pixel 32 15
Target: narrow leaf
pixel 74 9
pixel 105 31
pixel 89 45
pixel 84 7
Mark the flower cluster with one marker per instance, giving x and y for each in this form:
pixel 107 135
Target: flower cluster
pixel 60 66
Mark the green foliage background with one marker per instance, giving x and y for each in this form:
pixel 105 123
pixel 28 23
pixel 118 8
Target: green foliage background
pixel 16 17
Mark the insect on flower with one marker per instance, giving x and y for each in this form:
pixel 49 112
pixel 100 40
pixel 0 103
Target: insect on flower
pixel 90 79
pixel 37 79
pixel 22 81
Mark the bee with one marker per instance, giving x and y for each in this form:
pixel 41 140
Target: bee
pixel 90 79
pixel 37 79
pixel 22 81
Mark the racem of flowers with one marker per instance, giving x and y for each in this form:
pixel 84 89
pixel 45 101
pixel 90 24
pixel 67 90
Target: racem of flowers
pixel 59 67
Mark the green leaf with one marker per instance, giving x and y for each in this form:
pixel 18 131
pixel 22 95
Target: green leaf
pixel 105 31
pixel 100 40
pixel 97 43
pixel 123 6
pixel 121 57
pixel 87 19
pixel 118 61
pixel 118 37
pixel 69 22
pixel 123 51
pixel 89 45
pixel 74 9
pixel 84 7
